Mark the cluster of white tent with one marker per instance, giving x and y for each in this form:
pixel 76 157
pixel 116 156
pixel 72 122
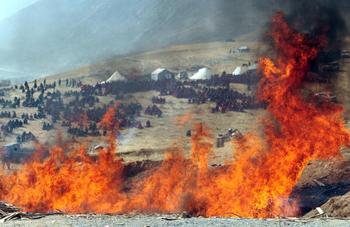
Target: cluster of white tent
pixel 162 73
pixel 201 74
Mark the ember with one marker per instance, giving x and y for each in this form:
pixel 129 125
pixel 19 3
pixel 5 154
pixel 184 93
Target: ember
pixel 257 183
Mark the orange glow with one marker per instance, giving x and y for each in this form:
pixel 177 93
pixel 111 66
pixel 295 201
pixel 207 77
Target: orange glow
pixel 109 120
pixel 183 119
pixel 256 183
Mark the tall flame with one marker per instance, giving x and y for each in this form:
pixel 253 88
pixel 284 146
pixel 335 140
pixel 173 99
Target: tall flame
pixel 257 183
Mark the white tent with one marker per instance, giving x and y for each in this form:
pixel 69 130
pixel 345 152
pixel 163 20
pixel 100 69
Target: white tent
pixel 116 76
pixel 239 70
pixel 202 74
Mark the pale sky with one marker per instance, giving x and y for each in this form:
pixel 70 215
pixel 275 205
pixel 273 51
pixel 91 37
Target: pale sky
pixel 9 7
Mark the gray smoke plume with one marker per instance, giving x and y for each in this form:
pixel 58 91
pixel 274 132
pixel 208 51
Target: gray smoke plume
pixel 319 17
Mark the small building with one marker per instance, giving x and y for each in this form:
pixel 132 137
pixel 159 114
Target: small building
pixel 243 49
pixel 202 74
pixel 162 74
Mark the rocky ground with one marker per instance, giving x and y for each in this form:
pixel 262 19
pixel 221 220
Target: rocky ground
pixel 164 220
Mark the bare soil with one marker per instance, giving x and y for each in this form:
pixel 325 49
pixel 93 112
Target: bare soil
pixel 171 220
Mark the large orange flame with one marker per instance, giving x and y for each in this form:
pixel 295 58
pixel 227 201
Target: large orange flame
pixel 257 183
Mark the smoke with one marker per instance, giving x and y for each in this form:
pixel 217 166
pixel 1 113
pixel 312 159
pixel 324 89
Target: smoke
pixel 315 19
pixel 56 35
pixel 319 18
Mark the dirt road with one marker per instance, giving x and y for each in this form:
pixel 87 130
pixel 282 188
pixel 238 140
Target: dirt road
pixel 104 221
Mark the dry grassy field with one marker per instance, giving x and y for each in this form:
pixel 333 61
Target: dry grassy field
pixel 215 55
pixel 166 131
pixel 170 130
pixel 150 143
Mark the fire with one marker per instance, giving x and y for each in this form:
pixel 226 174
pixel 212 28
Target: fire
pixel 183 119
pixel 256 183
pixel 109 120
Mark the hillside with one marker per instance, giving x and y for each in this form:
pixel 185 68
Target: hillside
pixel 56 35
pixel 214 55
pixel 201 143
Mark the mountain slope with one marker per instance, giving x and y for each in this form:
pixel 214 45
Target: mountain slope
pixel 54 35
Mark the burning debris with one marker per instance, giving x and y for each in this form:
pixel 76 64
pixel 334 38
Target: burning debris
pixel 6 208
pixel 228 136
pixel 9 212
pixel 258 182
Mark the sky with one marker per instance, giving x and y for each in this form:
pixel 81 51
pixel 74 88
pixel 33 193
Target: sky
pixel 9 7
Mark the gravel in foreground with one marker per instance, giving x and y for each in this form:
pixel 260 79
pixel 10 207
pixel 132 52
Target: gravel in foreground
pixel 164 220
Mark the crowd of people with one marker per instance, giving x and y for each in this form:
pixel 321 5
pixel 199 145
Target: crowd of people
pixel 216 89
pixel 153 111
pixel 31 117
pixel 31 100
pixel 80 109
pixel 158 100
pixel 5 103
pixel 25 137
pixel 229 100
pixel 82 132
pixel 86 123
pixel 8 114
pixel 47 126
pixel 8 127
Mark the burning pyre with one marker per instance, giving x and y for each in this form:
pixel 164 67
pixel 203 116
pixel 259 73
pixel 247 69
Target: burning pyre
pixel 256 183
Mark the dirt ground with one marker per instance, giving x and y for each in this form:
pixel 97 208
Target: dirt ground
pixel 171 220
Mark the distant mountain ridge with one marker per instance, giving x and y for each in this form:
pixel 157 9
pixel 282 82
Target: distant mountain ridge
pixel 55 35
